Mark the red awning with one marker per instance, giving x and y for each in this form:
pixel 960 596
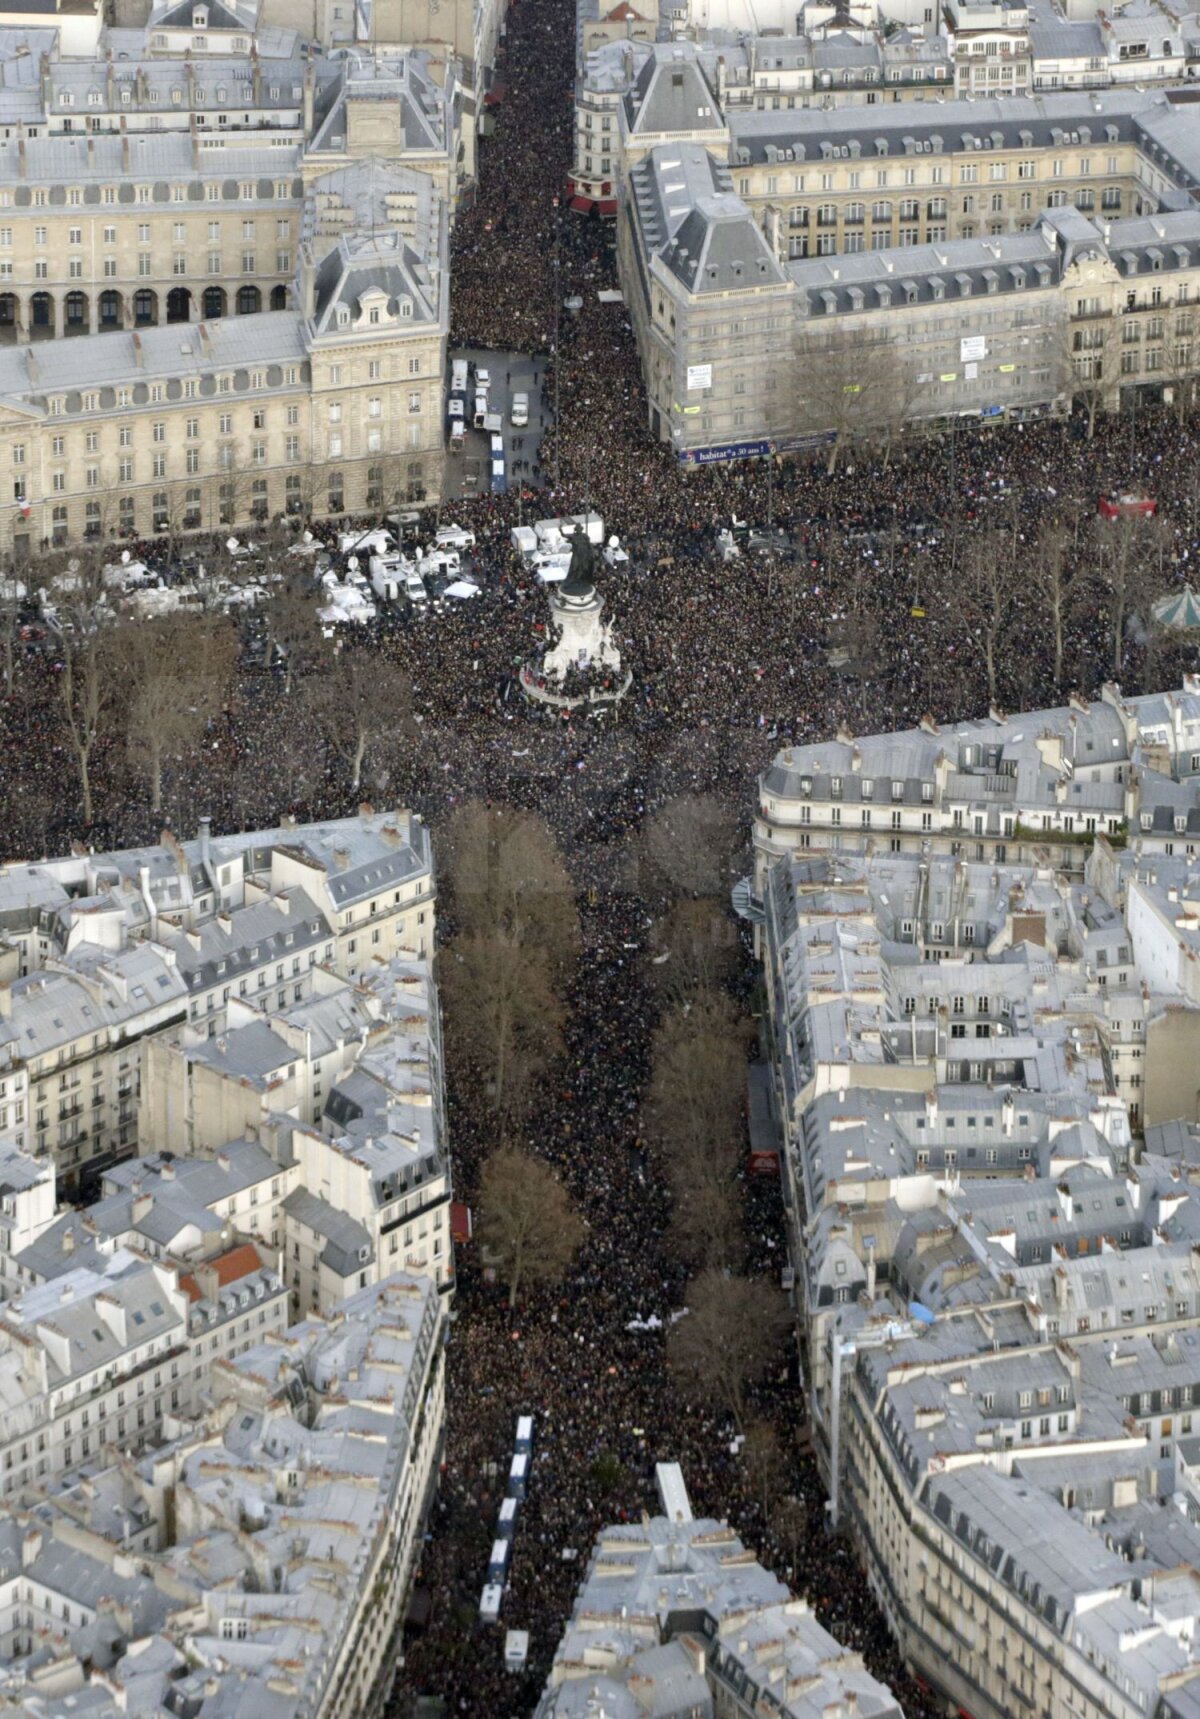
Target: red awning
pixel 582 205
pixel 460 1221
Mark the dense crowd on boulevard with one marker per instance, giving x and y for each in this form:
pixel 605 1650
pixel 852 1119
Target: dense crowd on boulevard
pixel 729 661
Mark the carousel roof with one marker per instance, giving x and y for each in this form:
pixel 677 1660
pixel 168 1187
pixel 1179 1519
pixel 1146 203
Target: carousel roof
pixel 1180 610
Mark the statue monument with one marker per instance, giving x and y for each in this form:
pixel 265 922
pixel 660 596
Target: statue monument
pixel 582 652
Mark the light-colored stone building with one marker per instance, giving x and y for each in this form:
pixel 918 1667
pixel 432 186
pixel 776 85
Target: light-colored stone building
pixel 1055 785
pixel 260 1552
pixel 674 1616
pixel 320 410
pixel 179 194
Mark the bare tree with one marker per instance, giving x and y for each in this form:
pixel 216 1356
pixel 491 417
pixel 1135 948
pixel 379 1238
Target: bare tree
pixel 176 673
pixel 766 1468
pixel 985 596
pixel 854 385
pixel 1124 556
pixel 705 1230
pixel 292 625
pixel 696 1097
pixel 788 1521
pixel 1181 362
pixel 689 841
pixel 509 879
pixel 1091 366
pixel 86 687
pixel 527 1223
pixel 360 699
pixel 502 1001
pixel 1055 579
pixel 12 595
pixel 733 1330
pixel 694 947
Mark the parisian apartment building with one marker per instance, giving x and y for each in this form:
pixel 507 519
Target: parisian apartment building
pixel 225 1246
pixel 979 943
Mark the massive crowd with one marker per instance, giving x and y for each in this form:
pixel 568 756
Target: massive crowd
pixel 729 661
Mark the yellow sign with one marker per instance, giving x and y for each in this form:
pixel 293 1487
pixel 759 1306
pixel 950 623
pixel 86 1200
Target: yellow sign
pixel 852 388
pixel 949 376
pixel 1007 369
pixel 690 411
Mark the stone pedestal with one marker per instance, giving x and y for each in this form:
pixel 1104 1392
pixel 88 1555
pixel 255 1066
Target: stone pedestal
pixel 582 644
pixel 584 639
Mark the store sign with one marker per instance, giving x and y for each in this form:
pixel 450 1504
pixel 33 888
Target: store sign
pixel 972 347
pixel 726 451
pixel 699 376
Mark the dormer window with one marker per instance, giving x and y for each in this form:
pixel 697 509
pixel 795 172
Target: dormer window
pixel 343 316
pixel 199 17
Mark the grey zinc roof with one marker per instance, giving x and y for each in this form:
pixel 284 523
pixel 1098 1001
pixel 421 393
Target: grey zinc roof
pixel 1037 1544
pixel 720 247
pixel 220 17
pixel 957 269
pixel 347 1244
pixel 251 1053
pixel 671 93
pixel 382 262
pixel 28 375
pixel 906 128
pixel 248 937
pixel 1055 38
pixel 424 124
pixel 158 158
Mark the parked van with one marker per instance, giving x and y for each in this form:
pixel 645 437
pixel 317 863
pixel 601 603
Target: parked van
pixel 458 376
pixel 520 411
pixel 481 411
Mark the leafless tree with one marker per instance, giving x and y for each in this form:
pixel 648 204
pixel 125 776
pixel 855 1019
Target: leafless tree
pixel 694 947
pixel 696 1097
pixel 766 1468
pixel 733 1330
pixel 10 624
pixel 705 1229
pixel 985 597
pixel 509 880
pixel 527 1224
pixel 1124 559
pixel 175 673
pixel 290 614
pixel 502 1001
pixel 358 700
pixel 1055 578
pixel 788 1521
pixel 86 686
pixel 854 386
pixel 689 841
pixel 1091 367
pixel 1180 364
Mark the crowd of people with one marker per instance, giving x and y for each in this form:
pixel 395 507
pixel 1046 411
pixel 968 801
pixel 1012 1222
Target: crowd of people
pixel 730 660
